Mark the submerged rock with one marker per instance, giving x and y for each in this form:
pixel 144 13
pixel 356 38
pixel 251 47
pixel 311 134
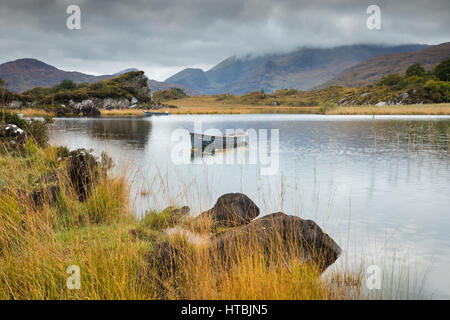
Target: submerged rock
pixel 232 209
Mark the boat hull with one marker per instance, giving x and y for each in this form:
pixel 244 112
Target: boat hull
pixel 216 142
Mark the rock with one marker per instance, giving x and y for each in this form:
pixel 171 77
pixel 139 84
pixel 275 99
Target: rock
pixel 380 104
pixel 123 103
pixel 166 258
pixel 278 233
pixel 83 171
pixel 49 193
pixel 279 237
pixel 15 104
pixel 14 136
pixel 404 95
pixel 232 209
pixel 343 101
pixel 86 107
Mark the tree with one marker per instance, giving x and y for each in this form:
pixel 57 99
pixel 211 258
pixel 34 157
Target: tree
pixel 2 83
pixel 66 85
pixel 415 69
pixel 442 70
pixel 438 91
pixel 391 79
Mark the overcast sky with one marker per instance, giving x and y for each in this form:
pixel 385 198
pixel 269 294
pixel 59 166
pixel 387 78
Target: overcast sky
pixel 162 37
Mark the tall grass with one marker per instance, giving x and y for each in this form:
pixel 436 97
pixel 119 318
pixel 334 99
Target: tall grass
pixel 39 242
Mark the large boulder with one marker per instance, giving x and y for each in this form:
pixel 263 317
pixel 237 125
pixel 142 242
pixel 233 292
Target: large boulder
pixel 231 209
pixel 278 234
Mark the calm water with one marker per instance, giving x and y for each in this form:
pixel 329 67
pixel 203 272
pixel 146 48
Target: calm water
pixel 380 187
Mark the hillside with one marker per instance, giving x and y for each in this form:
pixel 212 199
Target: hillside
pixel 25 74
pixel 373 69
pixel 301 69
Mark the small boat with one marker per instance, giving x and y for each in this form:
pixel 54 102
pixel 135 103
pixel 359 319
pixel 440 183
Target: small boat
pixel 152 113
pixel 216 142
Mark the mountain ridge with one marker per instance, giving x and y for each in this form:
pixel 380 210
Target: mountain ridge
pixel 302 69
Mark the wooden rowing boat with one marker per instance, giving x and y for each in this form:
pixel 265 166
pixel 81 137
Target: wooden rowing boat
pixel 199 140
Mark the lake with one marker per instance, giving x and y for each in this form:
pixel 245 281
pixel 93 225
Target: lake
pixel 380 186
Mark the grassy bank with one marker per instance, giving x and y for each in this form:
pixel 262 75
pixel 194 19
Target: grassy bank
pixel 210 105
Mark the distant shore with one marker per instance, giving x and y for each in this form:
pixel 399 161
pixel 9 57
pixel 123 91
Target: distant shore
pixel 188 106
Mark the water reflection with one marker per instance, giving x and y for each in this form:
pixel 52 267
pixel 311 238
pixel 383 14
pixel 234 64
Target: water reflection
pixel 134 133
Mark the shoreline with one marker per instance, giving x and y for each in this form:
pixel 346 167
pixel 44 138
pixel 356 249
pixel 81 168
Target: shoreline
pixel 183 109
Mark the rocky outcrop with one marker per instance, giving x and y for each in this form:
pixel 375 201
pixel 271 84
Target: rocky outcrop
pixel 86 107
pixel 13 136
pixel 411 96
pixel 278 233
pixel 128 90
pixel 232 209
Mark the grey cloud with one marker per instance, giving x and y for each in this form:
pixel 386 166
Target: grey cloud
pixel 162 37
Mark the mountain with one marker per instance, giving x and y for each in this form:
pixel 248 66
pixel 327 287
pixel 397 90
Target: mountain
pixel 302 69
pixel 24 74
pixel 373 69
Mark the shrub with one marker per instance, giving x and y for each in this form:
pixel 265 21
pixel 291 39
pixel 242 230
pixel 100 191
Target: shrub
pixel 411 81
pixel 160 220
pixel 327 106
pixel 442 70
pixel 437 91
pixel 391 80
pixel 415 69
pixel 65 85
pixel 169 94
